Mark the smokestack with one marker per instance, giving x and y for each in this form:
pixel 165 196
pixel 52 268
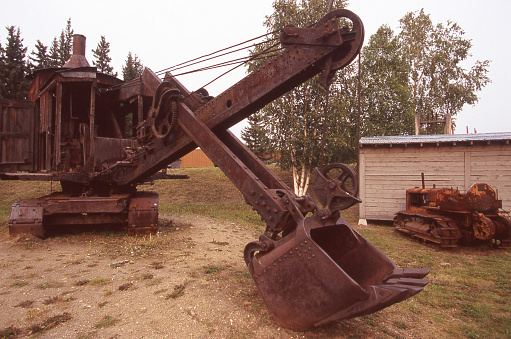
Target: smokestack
pixel 78 58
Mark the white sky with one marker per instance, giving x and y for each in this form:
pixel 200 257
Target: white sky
pixel 165 33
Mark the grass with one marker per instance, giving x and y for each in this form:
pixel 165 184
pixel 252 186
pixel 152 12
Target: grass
pixel 19 284
pixel 467 296
pixel 178 291
pixel 106 321
pixel 49 323
pixel 94 282
pixel 211 269
pixel 47 285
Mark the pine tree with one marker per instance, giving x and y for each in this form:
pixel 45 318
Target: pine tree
pixel 53 54
pixel 39 58
pixel 255 136
pixel 102 59
pixel 2 68
pixel 14 67
pixel 133 68
pixel 65 44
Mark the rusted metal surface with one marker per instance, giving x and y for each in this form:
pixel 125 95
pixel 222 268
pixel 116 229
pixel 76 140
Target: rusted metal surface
pixel 327 272
pixel 143 213
pixel 137 213
pixel 26 218
pixel 446 216
pixel 78 58
pixel 102 137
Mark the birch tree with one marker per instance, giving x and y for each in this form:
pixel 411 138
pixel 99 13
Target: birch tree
pixel 294 122
pixel 436 55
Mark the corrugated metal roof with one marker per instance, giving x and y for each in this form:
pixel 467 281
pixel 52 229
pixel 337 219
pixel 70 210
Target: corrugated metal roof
pixel 438 138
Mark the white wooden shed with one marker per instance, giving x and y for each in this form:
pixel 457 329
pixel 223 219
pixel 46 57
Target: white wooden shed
pixel 390 165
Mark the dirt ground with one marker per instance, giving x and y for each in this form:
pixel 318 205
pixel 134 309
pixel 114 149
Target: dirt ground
pixel 189 281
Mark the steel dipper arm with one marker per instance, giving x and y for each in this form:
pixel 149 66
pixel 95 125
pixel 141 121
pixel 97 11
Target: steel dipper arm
pixel 324 49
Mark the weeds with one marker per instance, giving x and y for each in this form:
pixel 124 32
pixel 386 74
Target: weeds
pixel 52 300
pixel 49 323
pixel 125 286
pixel 10 332
pixel 99 281
pixel 24 304
pixel 211 269
pixel 179 290
pixel 154 282
pixel 44 286
pixel 19 284
pixel 157 265
pixel 146 276
pixel 107 321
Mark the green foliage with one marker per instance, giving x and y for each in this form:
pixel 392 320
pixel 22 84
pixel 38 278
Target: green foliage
pixel 102 58
pixel 39 58
pixel 53 54
pixel 133 68
pixel 13 67
pixel 65 47
pixel 439 85
pixel 294 122
pixel 385 91
pixel 417 71
pixel 255 137
pixel 60 48
pixel 106 321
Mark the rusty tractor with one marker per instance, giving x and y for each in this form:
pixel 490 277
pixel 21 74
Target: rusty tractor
pixel 447 217
pixel 100 137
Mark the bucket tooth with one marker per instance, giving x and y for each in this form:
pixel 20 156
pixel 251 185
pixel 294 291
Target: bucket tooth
pixel 407 281
pixel 417 273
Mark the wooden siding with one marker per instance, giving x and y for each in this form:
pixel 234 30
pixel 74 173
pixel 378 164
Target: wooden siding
pixel 17 120
pixel 387 172
pixel 196 158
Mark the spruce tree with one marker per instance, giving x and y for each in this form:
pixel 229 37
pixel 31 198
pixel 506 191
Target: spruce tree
pixel 133 68
pixel 255 136
pixel 102 58
pixel 39 58
pixel 53 54
pixel 2 68
pixel 65 45
pixel 14 68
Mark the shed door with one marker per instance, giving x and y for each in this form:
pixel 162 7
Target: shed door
pixel 17 121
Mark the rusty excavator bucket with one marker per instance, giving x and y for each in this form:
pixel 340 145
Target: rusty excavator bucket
pixel 325 271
